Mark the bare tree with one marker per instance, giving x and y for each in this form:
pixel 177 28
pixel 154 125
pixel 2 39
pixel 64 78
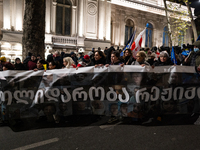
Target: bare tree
pixel 34 27
pixel 168 24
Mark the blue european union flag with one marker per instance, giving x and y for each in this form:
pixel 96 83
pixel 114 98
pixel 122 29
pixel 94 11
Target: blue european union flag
pixel 129 43
pixel 173 56
pixel 198 38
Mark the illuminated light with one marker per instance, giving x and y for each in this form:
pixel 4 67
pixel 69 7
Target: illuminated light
pixel 6 45
pixel 6 23
pixel 18 24
pixel 17 47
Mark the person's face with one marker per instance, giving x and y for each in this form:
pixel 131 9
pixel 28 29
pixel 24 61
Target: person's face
pixel 63 107
pixel 124 108
pixel 97 56
pixel 51 66
pixel 18 61
pixel 80 77
pixel 33 58
pixel 114 58
pixel 137 108
pixel 81 106
pixel 114 110
pixel 168 106
pixel 163 58
pixel 4 68
pixel 98 104
pixel 39 65
pixel 137 78
pixel 174 78
pixel 38 57
pixel 49 110
pixel 65 63
pixel 126 53
pixel 139 58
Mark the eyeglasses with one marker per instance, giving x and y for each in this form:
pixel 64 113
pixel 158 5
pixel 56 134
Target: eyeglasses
pixel 137 56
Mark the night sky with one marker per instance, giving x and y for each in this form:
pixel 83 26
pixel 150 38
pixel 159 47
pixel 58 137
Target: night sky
pixel 195 4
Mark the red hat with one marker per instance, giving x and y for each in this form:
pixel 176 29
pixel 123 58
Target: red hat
pixel 86 57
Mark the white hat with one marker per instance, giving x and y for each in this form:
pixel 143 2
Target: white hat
pixel 81 50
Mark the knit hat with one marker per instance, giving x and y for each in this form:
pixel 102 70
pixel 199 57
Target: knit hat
pixel 3 59
pixel 197 44
pixel 164 54
pixel 86 57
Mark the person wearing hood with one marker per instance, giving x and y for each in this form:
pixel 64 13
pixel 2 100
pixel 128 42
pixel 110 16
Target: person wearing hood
pixel 163 60
pixel 32 63
pixel 19 65
pixel 74 57
pixel 108 56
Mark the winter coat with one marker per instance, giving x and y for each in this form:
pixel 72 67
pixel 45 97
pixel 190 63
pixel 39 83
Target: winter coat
pixel 137 63
pixel 128 60
pixel 194 59
pixel 32 65
pixel 19 66
pixel 167 63
pixel 100 61
pixel 84 63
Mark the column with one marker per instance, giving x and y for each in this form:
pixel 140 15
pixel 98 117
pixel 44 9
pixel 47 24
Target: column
pixel 48 16
pixel 101 19
pixel 80 18
pixel 6 14
pixel 108 21
pixel 122 27
pixel 113 33
pixel 53 18
pixel 74 25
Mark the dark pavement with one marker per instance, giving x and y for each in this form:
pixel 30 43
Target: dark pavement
pixel 98 137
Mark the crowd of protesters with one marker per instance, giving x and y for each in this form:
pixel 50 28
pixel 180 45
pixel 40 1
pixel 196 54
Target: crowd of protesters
pixel 187 55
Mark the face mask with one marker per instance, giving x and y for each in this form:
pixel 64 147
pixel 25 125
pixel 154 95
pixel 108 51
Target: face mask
pixel 196 49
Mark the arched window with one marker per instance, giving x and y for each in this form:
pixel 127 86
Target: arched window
pixel 165 37
pixel 181 38
pixel 129 28
pixel 149 32
pixel 63 17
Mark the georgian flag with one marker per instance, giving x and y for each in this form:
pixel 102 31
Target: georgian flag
pixel 135 47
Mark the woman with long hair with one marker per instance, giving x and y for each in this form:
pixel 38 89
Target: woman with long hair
pixel 128 57
pixel 68 63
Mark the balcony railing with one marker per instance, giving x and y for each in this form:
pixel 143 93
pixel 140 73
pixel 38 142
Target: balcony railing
pixel 64 40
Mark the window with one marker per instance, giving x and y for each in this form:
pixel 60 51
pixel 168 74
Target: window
pixel 129 28
pixel 63 17
pixel 149 31
pixel 165 37
pixel 181 38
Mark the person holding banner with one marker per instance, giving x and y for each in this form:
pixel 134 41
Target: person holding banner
pixel 193 58
pixel 99 59
pixel 128 57
pixel 39 65
pixel 68 63
pixel 115 59
pixel 141 58
pixel 163 60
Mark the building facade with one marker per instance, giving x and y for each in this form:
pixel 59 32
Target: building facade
pixel 71 24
